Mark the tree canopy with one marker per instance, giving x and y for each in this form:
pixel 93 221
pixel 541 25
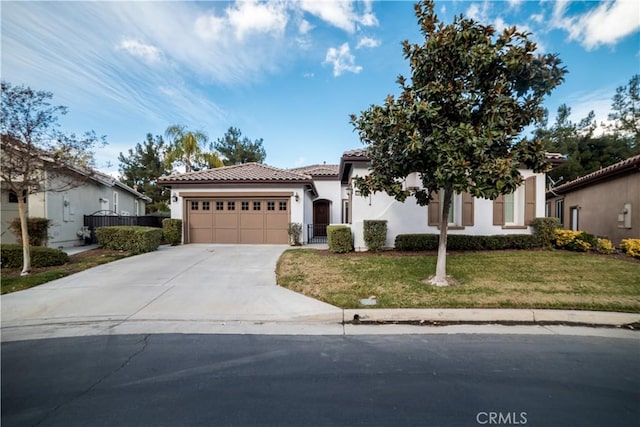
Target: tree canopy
pixel 142 166
pixel 32 144
pixel 458 121
pixel 236 149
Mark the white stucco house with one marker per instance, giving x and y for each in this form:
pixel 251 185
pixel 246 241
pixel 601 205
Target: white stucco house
pixel 97 193
pixel 254 203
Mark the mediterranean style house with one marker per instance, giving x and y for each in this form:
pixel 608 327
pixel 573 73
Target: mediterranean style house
pixel 97 193
pixel 605 202
pixel 254 203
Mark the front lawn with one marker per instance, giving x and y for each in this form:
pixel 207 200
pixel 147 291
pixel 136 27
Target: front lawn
pixel 12 281
pixel 499 279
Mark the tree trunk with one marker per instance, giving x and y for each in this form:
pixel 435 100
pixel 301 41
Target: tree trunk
pixel 24 228
pixel 440 279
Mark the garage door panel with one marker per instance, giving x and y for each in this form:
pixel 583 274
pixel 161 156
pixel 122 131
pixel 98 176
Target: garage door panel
pixel 239 220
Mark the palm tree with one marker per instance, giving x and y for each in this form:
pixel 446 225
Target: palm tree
pixel 185 146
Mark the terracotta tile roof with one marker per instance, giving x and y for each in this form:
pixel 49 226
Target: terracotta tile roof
pixel 629 165
pixel 358 152
pixel 243 173
pixel 318 170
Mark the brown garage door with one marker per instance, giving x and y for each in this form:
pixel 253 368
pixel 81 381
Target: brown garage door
pixel 238 220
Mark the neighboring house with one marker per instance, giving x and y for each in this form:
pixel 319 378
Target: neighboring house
pixel 254 203
pixel 605 202
pixel 97 194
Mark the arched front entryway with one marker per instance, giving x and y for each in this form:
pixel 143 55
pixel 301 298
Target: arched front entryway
pixel 321 217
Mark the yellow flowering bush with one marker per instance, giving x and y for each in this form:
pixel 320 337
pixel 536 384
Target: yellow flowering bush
pixel 604 246
pixel 573 240
pixel 631 247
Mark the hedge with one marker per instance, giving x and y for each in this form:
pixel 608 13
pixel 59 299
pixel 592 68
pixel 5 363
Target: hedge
pixel 375 234
pixel 339 238
pixel 131 238
pixel 38 229
pixel 631 247
pixel 462 242
pixel 545 231
pixel 11 256
pixel 172 229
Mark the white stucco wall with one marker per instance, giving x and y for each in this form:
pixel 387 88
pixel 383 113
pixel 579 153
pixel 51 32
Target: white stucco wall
pixel 409 217
pixel 331 190
pixel 299 209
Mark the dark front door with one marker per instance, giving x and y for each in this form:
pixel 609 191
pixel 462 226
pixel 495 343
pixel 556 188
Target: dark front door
pixel 320 217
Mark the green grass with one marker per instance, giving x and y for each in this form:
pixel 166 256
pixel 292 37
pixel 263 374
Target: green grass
pixel 499 279
pixel 13 282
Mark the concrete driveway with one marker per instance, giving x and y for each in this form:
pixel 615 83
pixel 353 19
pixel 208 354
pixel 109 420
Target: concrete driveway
pixel 189 288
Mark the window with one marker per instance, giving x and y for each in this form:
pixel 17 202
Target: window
pixel 461 210
pixel 219 206
pixel 194 205
pixel 231 206
pixel 345 211
pixel 136 206
pixel 547 209
pixel 256 206
pixel 560 210
pixel 271 206
pixel 517 209
pixel 574 211
pixel 13 197
pixel 206 205
pixel 283 206
pixel 244 206
pixel 509 208
pixel 115 202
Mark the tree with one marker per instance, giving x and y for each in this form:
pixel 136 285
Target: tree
pixel 236 149
pixel 185 146
pixel 585 153
pixel 457 122
pixel 142 166
pixel 36 155
pixel 626 112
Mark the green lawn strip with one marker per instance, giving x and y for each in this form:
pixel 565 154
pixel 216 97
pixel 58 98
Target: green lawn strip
pixel 500 279
pixel 14 284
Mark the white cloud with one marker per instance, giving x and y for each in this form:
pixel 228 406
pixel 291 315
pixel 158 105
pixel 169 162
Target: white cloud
pixel 145 51
pixel 514 4
pixel 538 18
pixel 340 14
pixel 249 16
pixel 304 27
pixel 308 75
pixel 367 42
pixel 606 24
pixel 300 161
pixel 342 60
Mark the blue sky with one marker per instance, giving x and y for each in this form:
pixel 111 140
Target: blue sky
pixel 290 72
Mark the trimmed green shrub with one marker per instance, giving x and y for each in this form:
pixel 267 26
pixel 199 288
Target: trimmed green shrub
pixel 462 242
pixel 11 256
pixel 131 238
pixel 295 231
pixel 172 230
pixel 339 238
pixel 375 234
pixel 38 229
pixel 545 231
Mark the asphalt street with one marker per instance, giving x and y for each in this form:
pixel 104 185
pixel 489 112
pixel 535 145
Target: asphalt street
pixel 251 380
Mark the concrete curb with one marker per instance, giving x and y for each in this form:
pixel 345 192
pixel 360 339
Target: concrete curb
pixel 524 316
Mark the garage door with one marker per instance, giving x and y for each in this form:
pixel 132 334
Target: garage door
pixel 238 220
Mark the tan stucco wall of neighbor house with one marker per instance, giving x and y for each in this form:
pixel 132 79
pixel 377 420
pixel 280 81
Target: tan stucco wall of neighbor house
pixel 600 205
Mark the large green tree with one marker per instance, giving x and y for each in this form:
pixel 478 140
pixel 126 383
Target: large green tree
pixel 141 167
pixel 457 122
pixel 585 152
pixel 626 113
pixel 236 149
pixel 34 148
